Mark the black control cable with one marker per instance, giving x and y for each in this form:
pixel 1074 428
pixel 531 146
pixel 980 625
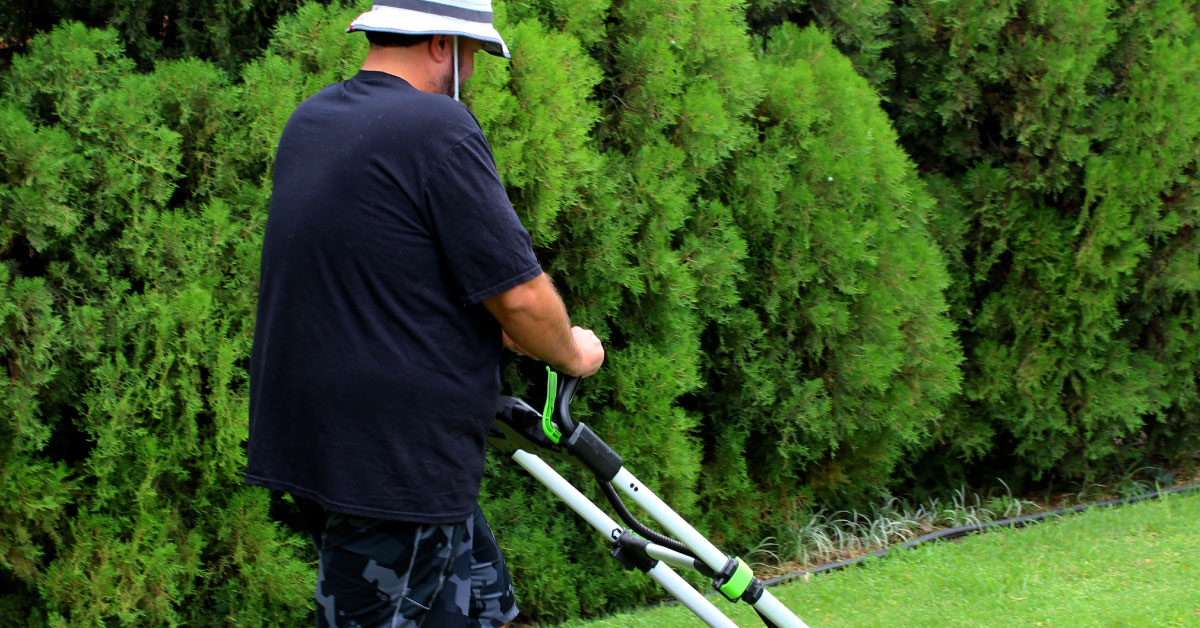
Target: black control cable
pixel 645 532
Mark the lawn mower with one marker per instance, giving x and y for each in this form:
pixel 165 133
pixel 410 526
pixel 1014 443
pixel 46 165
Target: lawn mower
pixel 522 431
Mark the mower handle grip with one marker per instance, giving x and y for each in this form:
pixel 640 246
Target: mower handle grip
pixel 567 386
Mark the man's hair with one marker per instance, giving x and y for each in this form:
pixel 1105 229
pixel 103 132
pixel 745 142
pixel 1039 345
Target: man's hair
pixel 396 40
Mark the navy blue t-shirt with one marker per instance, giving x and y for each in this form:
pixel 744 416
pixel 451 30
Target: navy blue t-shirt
pixel 373 377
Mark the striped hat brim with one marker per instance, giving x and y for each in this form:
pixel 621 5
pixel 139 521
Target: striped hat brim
pixel 421 17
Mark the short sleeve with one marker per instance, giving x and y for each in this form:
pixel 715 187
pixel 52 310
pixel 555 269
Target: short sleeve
pixel 486 248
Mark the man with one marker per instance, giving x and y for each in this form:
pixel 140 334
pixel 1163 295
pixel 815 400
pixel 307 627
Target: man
pixel 393 269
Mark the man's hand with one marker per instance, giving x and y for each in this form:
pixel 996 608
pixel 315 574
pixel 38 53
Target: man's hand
pixel 590 349
pixel 535 323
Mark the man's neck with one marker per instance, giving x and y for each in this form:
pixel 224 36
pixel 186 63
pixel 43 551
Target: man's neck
pixel 401 62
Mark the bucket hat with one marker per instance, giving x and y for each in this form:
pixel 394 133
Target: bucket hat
pixel 465 18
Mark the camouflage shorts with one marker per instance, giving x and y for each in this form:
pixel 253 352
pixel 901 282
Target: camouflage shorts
pixel 393 574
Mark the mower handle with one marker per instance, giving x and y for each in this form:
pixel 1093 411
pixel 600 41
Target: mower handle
pixel 567 386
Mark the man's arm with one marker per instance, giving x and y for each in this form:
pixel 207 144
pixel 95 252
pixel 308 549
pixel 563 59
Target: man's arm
pixel 534 317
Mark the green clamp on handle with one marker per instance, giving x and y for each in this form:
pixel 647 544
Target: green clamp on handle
pixel 548 426
pixel 556 414
pixel 735 580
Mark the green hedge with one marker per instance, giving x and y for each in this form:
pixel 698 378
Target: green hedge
pixel 795 314
pixel 227 32
pixel 1061 140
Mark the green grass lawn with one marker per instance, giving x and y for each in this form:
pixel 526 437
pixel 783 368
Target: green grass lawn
pixel 1136 565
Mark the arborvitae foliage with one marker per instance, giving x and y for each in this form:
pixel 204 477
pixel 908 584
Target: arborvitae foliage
pixel 837 358
pixel 130 254
pixel 226 32
pixel 1085 118
pixel 862 29
pixel 1061 140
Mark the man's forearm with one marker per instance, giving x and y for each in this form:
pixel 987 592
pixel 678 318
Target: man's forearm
pixel 533 316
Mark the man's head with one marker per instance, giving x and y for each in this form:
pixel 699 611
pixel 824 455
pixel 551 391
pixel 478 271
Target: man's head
pixel 428 58
pixel 464 18
pixel 440 38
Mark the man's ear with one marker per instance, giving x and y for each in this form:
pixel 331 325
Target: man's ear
pixel 441 48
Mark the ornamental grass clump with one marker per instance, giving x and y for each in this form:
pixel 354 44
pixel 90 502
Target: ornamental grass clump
pixel 831 536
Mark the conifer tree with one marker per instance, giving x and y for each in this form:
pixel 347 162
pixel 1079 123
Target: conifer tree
pixel 1019 114
pixel 132 255
pixel 226 33
pixel 1062 140
pixel 837 358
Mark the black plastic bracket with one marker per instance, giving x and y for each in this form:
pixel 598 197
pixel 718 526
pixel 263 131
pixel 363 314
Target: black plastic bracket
pixel 630 550
pixel 753 592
